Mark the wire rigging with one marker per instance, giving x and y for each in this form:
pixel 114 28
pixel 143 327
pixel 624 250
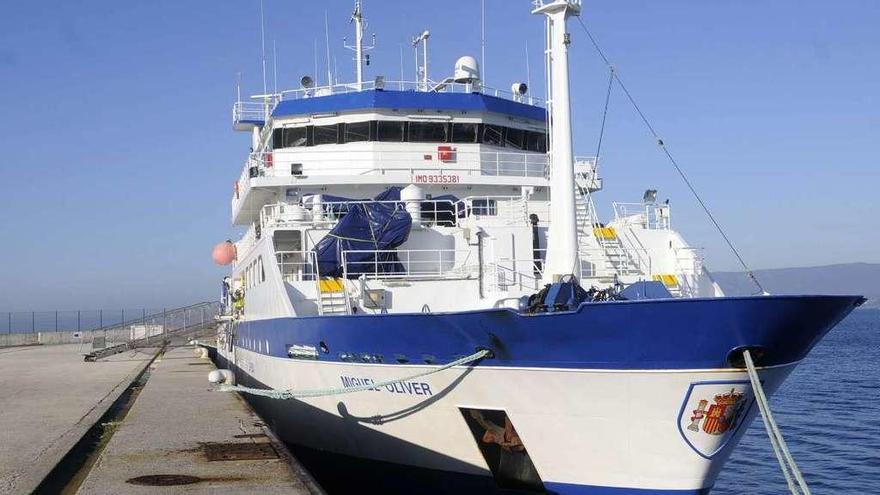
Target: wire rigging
pixel 616 77
pixel 604 115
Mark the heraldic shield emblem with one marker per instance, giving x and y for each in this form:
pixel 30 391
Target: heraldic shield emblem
pixel 712 413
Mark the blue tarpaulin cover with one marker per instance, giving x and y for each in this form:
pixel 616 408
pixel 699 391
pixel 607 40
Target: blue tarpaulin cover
pixel 366 227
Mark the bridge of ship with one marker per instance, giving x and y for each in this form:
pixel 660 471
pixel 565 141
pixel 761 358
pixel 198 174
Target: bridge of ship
pixel 340 140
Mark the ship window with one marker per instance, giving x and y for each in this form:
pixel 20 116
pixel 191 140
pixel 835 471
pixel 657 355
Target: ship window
pixel 262 270
pixel 464 133
pixel 357 131
pixel 289 137
pixel 390 131
pixel 493 134
pixel 325 134
pixel 514 138
pixel 428 132
pixel 486 207
pixel 536 141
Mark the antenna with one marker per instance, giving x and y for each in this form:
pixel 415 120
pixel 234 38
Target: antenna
pixel 274 68
pixel 483 37
pixel 263 45
pixel 423 69
pixel 357 18
pixel 316 62
pixel 401 66
pixel 327 45
pixel 528 70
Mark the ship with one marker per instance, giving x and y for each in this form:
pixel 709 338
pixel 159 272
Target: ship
pixel 423 260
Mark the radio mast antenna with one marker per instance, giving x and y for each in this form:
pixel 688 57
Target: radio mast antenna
pixel 263 45
pixel 327 45
pixel 357 17
pixel 483 37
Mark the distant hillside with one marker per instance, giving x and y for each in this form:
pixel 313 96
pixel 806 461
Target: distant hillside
pixel 850 278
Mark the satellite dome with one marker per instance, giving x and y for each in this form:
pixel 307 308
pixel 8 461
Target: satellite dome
pixel 467 70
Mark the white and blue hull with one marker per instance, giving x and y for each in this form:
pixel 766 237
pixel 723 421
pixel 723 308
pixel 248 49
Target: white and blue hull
pixel 591 429
pixel 584 429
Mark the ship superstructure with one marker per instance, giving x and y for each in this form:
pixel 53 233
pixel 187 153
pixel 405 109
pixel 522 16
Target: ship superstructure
pixel 396 226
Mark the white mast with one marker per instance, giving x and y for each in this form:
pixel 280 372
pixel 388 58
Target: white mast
pixel 357 17
pixel 562 243
pixel 422 69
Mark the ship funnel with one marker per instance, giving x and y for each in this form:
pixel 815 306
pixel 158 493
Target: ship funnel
pixel 467 70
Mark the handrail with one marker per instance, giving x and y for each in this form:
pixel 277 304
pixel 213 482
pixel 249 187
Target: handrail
pixel 441 212
pixel 402 85
pixel 435 267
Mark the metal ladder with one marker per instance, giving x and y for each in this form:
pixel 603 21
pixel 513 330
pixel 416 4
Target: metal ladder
pixel 617 260
pixel 332 297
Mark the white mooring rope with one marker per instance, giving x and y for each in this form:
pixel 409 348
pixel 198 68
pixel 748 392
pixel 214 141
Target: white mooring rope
pixel 299 394
pixel 786 461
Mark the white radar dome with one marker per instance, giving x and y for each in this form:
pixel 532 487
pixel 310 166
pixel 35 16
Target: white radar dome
pixel 467 70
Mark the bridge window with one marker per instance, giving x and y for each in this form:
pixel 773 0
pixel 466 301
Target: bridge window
pixel 464 133
pixel 356 131
pixel 536 141
pixel 325 134
pixel 514 138
pixel 493 134
pixel 392 131
pixel 290 137
pixel 428 132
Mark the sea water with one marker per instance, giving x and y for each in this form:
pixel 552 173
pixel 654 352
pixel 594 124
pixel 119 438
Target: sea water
pixel 829 414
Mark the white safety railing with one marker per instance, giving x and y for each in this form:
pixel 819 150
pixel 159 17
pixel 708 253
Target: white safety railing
pixel 248 111
pixel 415 264
pixel 451 87
pixel 296 266
pixel 256 111
pixel 504 209
pixel 505 275
pixel 649 215
pixel 689 267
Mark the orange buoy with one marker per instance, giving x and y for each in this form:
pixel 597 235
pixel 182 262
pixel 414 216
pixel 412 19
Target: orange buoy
pixel 224 253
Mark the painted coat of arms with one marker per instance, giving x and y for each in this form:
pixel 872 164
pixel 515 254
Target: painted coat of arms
pixel 712 413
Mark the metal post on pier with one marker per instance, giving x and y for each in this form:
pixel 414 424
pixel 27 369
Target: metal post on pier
pixel 78 321
pixel 56 321
pixel 9 322
pixel 33 322
pixel 100 318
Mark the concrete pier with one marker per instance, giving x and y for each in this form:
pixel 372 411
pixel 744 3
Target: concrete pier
pixel 181 435
pixel 49 399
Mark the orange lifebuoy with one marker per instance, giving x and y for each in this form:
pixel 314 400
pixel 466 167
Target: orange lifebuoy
pixel 235 186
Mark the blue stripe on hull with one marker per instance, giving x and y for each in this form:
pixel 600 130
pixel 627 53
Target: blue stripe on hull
pixel 650 334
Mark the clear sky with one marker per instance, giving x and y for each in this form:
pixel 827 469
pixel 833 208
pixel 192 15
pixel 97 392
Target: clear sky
pixel 117 153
